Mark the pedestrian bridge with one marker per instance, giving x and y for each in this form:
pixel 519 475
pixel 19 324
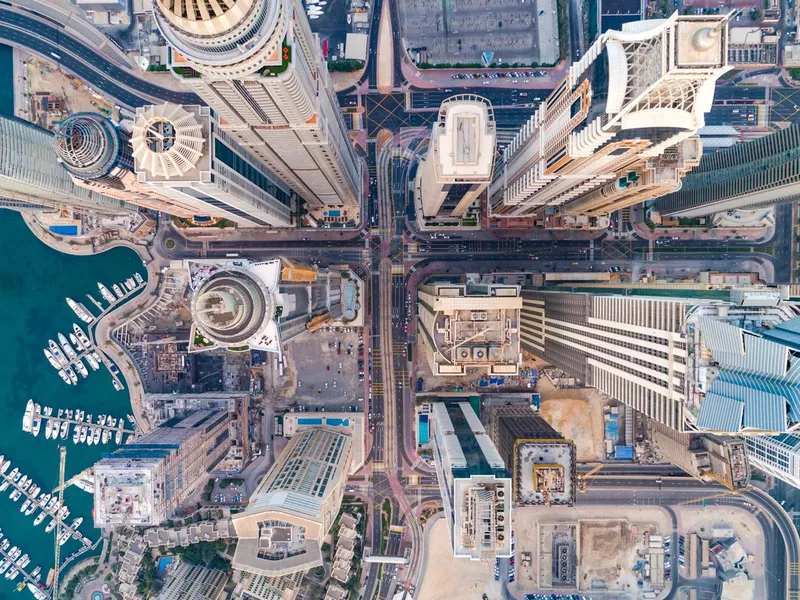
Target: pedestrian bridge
pixel 392 560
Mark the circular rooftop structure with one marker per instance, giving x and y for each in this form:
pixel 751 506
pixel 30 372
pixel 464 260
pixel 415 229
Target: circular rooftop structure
pixel 232 306
pixel 167 140
pixel 88 145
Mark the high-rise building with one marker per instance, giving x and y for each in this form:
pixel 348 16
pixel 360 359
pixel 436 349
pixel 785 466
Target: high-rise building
pixel 750 175
pixel 193 582
pixel 465 326
pixel 718 359
pixel 541 462
pixel 32 179
pixel 259 67
pixel 182 153
pixel 475 487
pixel 458 166
pixel 98 155
pixel 621 127
pixel 778 456
pixel 294 507
pixel 141 483
pixel 259 306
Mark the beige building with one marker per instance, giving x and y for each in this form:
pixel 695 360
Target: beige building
pixel 467 326
pixel 263 587
pixel 293 508
pixel 259 67
pixel 458 166
pixel 191 582
pixel 351 423
pixel 599 145
pixel 141 483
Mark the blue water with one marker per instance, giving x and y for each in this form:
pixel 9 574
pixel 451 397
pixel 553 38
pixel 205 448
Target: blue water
pixel 309 421
pixel 422 430
pixel 64 229
pixel 163 563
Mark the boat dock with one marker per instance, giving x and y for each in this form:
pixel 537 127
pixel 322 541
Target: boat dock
pixel 26 575
pixel 52 512
pixel 102 430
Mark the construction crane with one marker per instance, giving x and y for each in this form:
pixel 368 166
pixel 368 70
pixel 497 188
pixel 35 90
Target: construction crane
pixel 57 557
pixel 582 477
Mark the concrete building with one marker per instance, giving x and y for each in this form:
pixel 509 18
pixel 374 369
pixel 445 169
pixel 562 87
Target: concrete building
pixel 259 67
pixel 97 154
pixel 475 487
pixel 352 423
pixel 466 326
pixel 621 127
pixel 264 587
pixel 718 359
pixel 141 483
pixel 778 456
pixel 458 166
pixel 191 582
pixel 293 508
pixel 32 179
pixel 182 152
pixel 241 305
pixel 541 462
pixel 750 175
pixel 705 456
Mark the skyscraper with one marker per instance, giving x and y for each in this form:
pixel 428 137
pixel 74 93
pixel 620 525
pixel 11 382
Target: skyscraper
pixel 621 127
pixel 777 455
pixel 458 166
pixel 257 64
pixel 182 153
pixel 716 360
pixel 141 483
pixel 98 155
pixel 750 175
pixel 294 506
pixel 31 178
pixel 475 487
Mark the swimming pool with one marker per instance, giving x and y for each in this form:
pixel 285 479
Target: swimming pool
pixel 163 563
pixel 422 430
pixel 64 229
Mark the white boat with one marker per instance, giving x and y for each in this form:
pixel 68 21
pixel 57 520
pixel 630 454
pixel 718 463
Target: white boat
pixel 105 436
pixel 5 465
pixel 92 362
pixel 313 16
pixel 51 503
pixel 81 368
pixel 101 420
pixel 25 505
pixel 118 291
pixel 5 545
pixel 77 523
pixel 31 509
pixel 33 492
pixel 88 418
pixel 36 571
pixel 57 354
pixel 71 374
pixel 130 283
pixel 64 430
pixel 90 436
pixel 23 481
pixel 15 475
pixel 117 385
pixel 27 418
pixel 4 566
pixel 12 574
pixel 139 279
pixel 97 433
pixel 106 293
pixel 68 350
pixel 80 310
pixel 79 415
pixel 83 433
pixel 51 359
pixel 76 435
pixel 26 485
pixel 63 513
pixel 81 336
pixel 63 374
pixel 64 537
pixel 15 495
pixel 36 425
pixel 14 553
pixel 48 411
pixel 48 430
pixel 76 343
pixel 4 485
pixel 97 357
pixel 118 437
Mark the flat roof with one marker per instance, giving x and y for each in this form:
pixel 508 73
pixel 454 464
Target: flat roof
pixel 464 140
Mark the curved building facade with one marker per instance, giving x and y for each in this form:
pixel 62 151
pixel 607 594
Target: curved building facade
pixel 257 64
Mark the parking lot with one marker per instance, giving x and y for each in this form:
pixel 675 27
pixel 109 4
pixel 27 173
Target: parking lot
pixel 325 368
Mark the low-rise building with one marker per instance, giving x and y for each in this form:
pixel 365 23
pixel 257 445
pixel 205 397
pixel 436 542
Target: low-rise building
pixel 252 586
pixel 351 423
pixel 192 582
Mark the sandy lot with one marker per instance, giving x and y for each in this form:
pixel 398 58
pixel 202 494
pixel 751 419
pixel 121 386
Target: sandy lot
pixel 448 578
pixel 385 53
pixel 577 414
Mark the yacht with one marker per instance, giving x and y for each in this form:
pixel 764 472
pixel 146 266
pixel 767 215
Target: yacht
pixel 76 434
pixel 79 333
pixel 36 572
pixel 51 359
pixel 64 537
pixel 118 291
pixel 5 465
pixel 63 513
pixel 22 481
pixel 57 354
pixel 68 350
pixel 36 425
pixel 77 523
pixel 76 343
pixel 14 553
pixel 4 566
pixel 80 310
pixel 139 279
pixel 79 415
pixel 105 436
pixel 88 418
pixel 92 362
pixel 97 433
pixel 96 356
pixel 51 503
pixel 48 429
pixel 25 505
pixel 71 374
pixel 106 293
pixel 117 385
pixel 15 475
pixel 27 418
pixel 24 561
pixel 12 574
pixel 39 518
pixel 34 491
pixel 26 485
pixel 90 436
pixel 15 495
pixel 50 526
pixel 83 433
pixel 30 510
pixel 63 374
pixel 5 545
pixel 4 485
pixel 118 437
pixel 101 420
pixel 64 430
pixel 81 368
pixel 130 283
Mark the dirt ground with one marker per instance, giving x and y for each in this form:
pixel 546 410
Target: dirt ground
pixel 385 53
pixel 577 414
pixel 43 76
pixel 448 578
pixel 603 545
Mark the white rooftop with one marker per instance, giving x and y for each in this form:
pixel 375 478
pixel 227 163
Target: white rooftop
pixel 464 139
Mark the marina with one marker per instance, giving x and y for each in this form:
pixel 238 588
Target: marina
pixel 14 563
pixel 85 429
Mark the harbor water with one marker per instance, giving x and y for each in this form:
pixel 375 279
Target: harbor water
pixel 34 281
